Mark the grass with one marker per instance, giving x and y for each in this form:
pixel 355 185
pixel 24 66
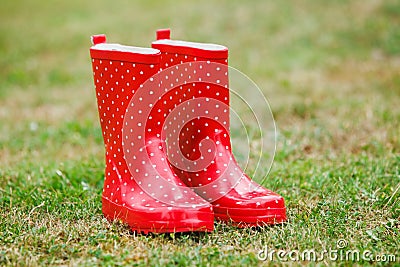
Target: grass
pixel 329 69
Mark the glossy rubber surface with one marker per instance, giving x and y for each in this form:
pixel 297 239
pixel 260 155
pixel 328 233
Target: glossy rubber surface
pixel 234 196
pixel 135 160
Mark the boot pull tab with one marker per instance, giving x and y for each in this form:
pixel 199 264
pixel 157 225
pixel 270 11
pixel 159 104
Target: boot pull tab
pixel 98 39
pixel 163 34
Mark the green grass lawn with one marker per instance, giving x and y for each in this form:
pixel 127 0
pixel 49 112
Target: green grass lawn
pixel 330 69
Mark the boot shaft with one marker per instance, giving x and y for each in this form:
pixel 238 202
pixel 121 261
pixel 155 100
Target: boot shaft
pixel 118 72
pixel 214 95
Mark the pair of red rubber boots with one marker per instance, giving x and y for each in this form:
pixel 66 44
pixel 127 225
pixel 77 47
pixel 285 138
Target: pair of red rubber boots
pixel 164 114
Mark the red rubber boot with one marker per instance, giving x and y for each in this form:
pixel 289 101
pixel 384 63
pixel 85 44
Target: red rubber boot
pixel 206 162
pixel 139 186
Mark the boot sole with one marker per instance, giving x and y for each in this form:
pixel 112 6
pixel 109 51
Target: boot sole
pixel 246 217
pixel 174 221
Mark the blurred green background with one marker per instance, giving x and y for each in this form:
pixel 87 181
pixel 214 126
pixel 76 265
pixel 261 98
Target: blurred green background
pixel 312 60
pixel 330 69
